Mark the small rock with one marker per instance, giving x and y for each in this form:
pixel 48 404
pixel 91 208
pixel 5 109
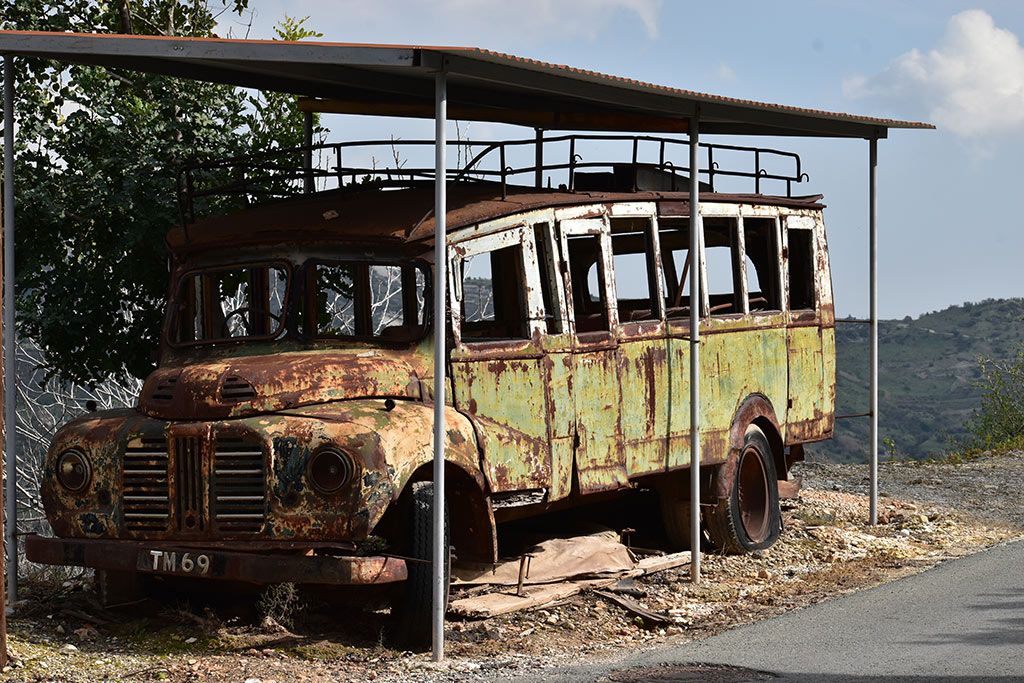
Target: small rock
pixel 551 620
pixel 764 574
pixel 270 625
pixel 191 640
pixel 60 629
pixel 70 648
pixel 87 632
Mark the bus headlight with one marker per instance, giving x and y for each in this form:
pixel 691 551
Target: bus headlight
pixel 331 469
pixel 73 470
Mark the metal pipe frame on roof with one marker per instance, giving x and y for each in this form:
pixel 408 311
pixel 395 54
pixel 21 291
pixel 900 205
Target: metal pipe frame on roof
pixel 408 80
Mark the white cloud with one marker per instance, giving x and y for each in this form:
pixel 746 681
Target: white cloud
pixel 496 24
pixel 971 83
pixel 563 17
pixel 725 72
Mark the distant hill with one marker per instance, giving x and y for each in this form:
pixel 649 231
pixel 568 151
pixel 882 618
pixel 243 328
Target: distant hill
pixel 927 367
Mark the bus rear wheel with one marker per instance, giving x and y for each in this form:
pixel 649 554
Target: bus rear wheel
pixel 749 518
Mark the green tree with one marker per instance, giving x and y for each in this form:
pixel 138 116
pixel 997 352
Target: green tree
pixel 999 421
pixel 97 155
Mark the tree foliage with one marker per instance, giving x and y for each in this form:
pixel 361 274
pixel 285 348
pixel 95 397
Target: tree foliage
pixel 97 154
pixel 999 421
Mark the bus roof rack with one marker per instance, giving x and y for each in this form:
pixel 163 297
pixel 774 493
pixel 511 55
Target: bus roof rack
pixel 651 164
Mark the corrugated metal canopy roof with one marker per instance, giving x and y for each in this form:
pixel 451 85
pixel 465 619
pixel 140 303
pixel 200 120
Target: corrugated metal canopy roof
pixel 482 85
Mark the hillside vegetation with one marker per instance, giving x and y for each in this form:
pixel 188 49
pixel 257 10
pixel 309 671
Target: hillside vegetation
pixel 927 370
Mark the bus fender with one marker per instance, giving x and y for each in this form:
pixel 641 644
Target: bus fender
pixel 754 409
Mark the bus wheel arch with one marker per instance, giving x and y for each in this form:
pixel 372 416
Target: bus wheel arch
pixel 472 531
pixel 746 515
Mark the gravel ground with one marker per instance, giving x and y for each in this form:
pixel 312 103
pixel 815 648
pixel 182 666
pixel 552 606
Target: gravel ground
pixel 928 513
pixel 989 487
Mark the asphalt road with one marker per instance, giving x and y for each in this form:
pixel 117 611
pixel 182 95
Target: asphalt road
pixel 960 621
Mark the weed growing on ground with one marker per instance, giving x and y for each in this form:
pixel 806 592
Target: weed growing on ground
pixel 280 602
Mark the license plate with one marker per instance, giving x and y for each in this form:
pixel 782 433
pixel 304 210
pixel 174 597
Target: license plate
pixel 175 562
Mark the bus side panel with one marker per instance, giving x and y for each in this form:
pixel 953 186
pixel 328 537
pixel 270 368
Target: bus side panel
pixel 507 400
pixel 678 453
pixel 644 383
pixel 806 415
pixel 736 364
pixel 600 461
pixel 828 384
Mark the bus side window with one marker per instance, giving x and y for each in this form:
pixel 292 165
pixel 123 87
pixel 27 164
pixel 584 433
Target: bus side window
pixel 762 256
pixel 801 269
pixel 586 273
pixel 720 254
pixel 494 295
pixel 548 278
pixel 635 272
pixel 674 235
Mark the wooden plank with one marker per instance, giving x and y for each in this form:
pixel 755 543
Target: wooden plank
pixel 635 608
pixel 659 563
pixel 493 604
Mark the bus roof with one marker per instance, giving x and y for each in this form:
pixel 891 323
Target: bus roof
pixel 405 216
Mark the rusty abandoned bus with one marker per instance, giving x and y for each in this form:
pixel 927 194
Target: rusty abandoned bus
pixel 286 434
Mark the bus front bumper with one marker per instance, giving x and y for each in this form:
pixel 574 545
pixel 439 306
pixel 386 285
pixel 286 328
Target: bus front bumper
pixel 166 558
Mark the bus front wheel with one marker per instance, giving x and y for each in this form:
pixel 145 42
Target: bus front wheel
pixel 749 518
pixel 415 614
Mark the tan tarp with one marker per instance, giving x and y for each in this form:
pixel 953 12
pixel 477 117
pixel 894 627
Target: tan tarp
pixel 556 559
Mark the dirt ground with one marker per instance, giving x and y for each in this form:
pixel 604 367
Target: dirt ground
pixel 929 513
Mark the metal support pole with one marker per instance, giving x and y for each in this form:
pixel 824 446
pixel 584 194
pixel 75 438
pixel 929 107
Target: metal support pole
pixel 7 208
pixel 307 140
pixel 440 554
pixel 10 335
pixel 873 256
pixel 694 257
pixel 538 160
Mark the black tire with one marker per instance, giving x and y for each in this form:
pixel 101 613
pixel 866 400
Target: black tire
pixel 675 516
pixel 749 518
pixel 415 614
pixel 116 588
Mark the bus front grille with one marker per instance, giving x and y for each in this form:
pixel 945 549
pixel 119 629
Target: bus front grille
pixel 189 484
pixel 239 485
pixel 147 505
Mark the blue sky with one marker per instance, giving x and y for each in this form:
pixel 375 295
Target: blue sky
pixel 950 228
